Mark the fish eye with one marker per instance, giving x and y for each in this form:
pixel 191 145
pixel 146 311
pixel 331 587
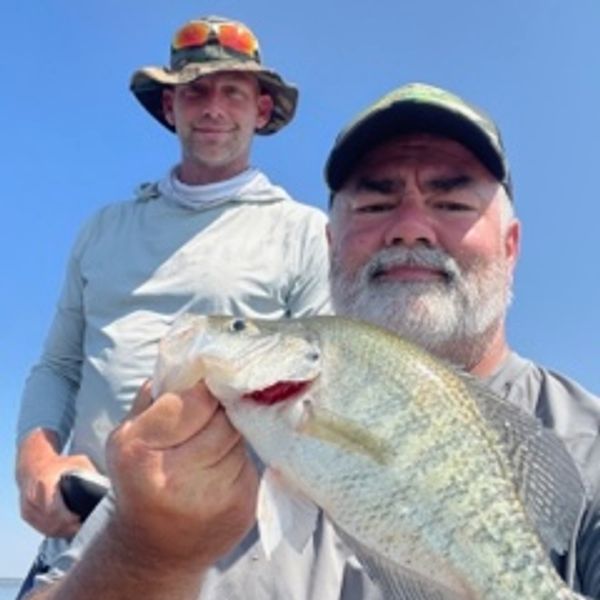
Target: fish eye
pixel 238 325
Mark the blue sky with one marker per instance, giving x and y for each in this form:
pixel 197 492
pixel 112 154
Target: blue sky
pixel 74 139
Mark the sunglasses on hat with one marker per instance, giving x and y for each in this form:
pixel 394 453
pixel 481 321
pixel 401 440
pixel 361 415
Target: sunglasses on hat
pixel 231 35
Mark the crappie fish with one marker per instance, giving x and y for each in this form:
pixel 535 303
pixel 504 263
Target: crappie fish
pixel 442 489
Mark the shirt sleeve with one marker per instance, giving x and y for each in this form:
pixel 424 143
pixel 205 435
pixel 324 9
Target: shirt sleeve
pixel 49 393
pixel 588 551
pixel 310 293
pixel 91 527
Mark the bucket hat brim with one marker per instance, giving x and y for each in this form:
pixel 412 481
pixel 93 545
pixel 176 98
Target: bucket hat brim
pixel 148 83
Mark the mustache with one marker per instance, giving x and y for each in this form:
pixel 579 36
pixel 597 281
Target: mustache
pixel 432 258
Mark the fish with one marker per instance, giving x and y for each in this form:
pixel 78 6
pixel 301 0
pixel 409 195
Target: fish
pixel 441 488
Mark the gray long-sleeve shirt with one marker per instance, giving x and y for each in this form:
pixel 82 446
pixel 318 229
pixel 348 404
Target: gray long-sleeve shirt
pixel 134 268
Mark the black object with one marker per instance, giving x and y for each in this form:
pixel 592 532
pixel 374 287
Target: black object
pixel 82 490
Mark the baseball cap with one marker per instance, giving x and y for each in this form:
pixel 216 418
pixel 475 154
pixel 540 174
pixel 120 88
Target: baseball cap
pixel 418 108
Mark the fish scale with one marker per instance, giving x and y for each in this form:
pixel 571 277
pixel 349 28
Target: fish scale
pixel 429 479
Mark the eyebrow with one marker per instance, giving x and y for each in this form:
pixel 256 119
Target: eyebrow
pixel 449 183
pixel 383 185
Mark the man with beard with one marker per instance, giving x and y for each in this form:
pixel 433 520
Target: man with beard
pixel 424 242
pixel 423 235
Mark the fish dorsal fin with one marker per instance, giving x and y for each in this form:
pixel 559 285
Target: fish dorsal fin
pixel 399 581
pixel 283 514
pixel 548 481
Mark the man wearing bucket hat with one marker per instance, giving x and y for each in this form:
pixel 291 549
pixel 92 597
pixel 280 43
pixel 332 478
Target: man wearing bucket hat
pixel 424 241
pixel 212 236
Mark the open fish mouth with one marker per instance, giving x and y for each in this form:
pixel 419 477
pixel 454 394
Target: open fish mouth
pixel 278 392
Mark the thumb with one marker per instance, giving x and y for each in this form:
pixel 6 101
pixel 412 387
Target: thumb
pixel 142 400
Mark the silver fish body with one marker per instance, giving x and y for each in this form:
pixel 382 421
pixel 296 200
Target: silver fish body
pixel 432 480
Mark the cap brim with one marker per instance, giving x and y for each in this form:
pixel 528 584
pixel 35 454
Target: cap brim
pixel 410 117
pixel 148 83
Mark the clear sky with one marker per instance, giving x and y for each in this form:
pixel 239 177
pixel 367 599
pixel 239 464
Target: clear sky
pixel 74 139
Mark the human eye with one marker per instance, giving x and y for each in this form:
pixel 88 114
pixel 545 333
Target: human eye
pixel 454 194
pixel 371 203
pixel 372 207
pixel 453 206
pixel 374 196
pixel 235 92
pixel 192 92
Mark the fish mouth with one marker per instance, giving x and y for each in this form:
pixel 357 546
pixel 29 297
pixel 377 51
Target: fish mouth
pixel 278 392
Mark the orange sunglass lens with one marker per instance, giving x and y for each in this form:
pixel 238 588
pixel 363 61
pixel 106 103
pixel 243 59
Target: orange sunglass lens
pixel 237 38
pixel 194 34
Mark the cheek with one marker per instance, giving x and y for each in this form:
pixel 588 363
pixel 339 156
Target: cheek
pixel 476 245
pixel 356 246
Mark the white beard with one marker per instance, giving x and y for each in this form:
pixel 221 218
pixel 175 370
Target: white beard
pixel 453 318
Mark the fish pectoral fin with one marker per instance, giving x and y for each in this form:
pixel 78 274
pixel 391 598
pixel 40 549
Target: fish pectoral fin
pixel 334 429
pixel 283 514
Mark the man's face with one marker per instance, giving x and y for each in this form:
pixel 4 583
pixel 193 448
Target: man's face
pixel 423 243
pixel 215 118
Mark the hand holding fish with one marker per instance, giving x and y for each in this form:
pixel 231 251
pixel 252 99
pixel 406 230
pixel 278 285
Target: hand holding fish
pixel 185 487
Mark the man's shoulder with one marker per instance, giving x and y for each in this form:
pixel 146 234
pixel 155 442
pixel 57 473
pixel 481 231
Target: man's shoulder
pixel 107 219
pixel 280 199
pixel 142 194
pixel 561 404
pixel 556 383
pixel 536 379
pixel 292 207
pixel 300 210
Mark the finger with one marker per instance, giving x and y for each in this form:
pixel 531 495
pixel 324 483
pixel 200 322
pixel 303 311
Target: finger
pixel 208 446
pixel 142 400
pixel 174 417
pixel 227 469
pixel 55 520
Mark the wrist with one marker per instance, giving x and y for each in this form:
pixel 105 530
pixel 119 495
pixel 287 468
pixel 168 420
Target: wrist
pixel 143 560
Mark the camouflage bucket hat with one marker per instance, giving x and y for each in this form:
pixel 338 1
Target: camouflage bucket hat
pixel 418 108
pixel 211 45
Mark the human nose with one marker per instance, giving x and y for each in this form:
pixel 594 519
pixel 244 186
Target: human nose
pixel 211 104
pixel 409 225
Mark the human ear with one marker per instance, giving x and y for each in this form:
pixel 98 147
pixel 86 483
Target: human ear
pixel 512 241
pixel 265 109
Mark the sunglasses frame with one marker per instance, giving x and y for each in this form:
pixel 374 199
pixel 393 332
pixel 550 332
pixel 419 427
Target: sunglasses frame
pixel 227 34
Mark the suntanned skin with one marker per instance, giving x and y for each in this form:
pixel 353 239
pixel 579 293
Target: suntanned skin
pixel 390 199
pixel 215 118
pixel 38 470
pixel 185 496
